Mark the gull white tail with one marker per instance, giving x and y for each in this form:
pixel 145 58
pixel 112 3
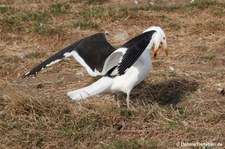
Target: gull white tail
pixel 101 86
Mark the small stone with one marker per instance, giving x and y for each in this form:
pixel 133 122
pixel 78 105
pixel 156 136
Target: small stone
pixel 221 91
pixel 136 2
pixel 21 55
pixel 222 58
pixel 121 36
pixel 184 123
pixel 79 73
pixel 171 68
pixel 40 85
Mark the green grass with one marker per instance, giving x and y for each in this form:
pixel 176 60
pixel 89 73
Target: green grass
pixel 45 30
pixel 10 20
pixel 127 113
pixel 97 13
pixel 81 127
pixel 86 18
pixel 36 16
pixel 40 21
pixel 172 74
pixel 95 1
pixel 163 8
pixel 207 58
pixel 202 4
pixel 8 10
pixel 172 126
pixel 11 24
pixel 84 25
pixel 94 13
pixel 30 21
pixel 59 9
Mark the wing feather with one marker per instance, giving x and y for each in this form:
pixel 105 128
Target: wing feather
pixel 134 48
pixel 92 50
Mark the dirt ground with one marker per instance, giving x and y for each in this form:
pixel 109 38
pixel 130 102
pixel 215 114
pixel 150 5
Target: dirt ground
pixel 179 105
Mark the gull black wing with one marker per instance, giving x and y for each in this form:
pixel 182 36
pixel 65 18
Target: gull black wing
pixel 135 47
pixel 92 50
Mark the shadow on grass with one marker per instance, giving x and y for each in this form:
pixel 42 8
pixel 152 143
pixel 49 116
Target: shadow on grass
pixel 168 92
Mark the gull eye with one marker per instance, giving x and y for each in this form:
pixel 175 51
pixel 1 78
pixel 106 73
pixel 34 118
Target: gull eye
pixel 164 38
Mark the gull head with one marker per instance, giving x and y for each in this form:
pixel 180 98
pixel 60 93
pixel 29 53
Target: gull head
pixel 158 39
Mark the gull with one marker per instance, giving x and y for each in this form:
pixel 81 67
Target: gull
pixel 120 69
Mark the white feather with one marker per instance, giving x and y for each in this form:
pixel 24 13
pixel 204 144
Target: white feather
pixel 113 60
pixel 53 62
pixel 82 62
pixel 100 86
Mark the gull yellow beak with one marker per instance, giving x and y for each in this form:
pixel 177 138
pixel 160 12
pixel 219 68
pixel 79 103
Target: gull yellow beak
pixel 166 51
pixel 155 52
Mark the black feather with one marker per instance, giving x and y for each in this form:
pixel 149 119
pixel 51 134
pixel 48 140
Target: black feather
pixel 136 47
pixel 93 49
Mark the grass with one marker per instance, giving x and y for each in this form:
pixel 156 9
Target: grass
pixel 207 58
pixel 218 12
pixel 91 13
pixel 38 21
pixel 86 18
pixel 10 24
pixel 60 8
pixel 46 30
pixel 4 2
pixel 202 4
pixel 6 10
pixel 36 16
pixel 85 25
pixel 95 1
pixel 170 106
pixel 82 127
pixel 34 54
pixel 132 144
pixel 172 126
pixel 162 8
pixel 127 113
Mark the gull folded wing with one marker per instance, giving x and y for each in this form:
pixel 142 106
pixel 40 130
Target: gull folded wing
pixel 136 47
pixel 131 50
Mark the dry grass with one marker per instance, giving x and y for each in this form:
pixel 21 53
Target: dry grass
pixel 178 102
